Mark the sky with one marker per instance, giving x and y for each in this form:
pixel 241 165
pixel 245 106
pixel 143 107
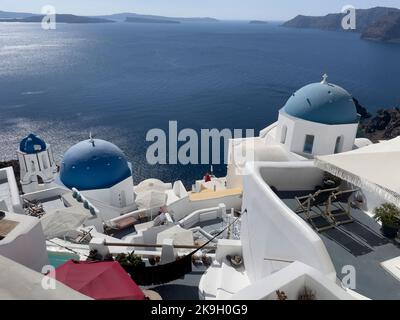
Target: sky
pixel 221 9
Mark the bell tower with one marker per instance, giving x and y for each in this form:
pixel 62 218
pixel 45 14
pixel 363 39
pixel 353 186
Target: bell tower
pixel 37 165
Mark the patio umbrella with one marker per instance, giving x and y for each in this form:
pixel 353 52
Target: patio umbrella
pixel 151 199
pixel 60 222
pixel 150 185
pixel 105 280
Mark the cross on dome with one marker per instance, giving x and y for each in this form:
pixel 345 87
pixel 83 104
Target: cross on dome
pixel 91 138
pixel 325 79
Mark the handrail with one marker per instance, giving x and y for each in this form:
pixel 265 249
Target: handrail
pixel 143 245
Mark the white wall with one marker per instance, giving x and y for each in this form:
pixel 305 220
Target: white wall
pixel 271 230
pixel 28 247
pixel 254 150
pixel 112 196
pixel 292 280
pixel 324 135
pixel 281 175
pixel 183 207
pixel 203 215
pixel 8 175
pixel 46 194
pixel 21 283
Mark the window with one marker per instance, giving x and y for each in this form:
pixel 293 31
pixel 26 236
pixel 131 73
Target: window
pixel 308 144
pixel 339 144
pixel 44 161
pixel 39 180
pixel 283 134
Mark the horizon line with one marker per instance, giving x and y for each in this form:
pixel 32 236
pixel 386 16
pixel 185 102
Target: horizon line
pixel 198 17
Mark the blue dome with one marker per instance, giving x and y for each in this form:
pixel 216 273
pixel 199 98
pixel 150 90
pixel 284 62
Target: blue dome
pixel 32 144
pixel 324 103
pixel 93 164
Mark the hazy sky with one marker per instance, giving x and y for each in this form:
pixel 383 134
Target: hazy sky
pixel 223 9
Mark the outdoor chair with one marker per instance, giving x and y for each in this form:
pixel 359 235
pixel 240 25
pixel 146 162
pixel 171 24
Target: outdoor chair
pixel 339 207
pixel 318 219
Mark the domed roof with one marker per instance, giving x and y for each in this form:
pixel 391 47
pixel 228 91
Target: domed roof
pixel 32 144
pixel 324 103
pixel 93 164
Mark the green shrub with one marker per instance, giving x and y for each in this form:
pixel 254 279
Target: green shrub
pixel 388 214
pixel 130 260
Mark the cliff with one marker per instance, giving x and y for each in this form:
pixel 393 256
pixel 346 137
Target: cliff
pixel 378 23
pixel 386 29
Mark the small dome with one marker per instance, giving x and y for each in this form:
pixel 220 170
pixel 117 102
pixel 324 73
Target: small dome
pixel 93 164
pixel 32 144
pixel 324 103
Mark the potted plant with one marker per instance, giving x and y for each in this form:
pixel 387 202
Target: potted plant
pixel 130 260
pixel 389 215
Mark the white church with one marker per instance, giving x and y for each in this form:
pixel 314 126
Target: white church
pixel 318 119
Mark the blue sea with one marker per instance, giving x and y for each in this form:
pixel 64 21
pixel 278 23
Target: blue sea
pixel 120 80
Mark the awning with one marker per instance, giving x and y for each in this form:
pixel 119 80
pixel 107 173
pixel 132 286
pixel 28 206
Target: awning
pixel 374 168
pixel 105 280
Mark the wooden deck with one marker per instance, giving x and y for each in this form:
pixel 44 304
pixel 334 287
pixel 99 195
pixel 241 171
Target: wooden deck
pixel 6 226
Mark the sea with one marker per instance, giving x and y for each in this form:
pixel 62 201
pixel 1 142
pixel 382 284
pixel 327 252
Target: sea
pixel 118 81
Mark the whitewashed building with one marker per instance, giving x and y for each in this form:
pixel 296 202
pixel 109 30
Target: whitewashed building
pixel 37 164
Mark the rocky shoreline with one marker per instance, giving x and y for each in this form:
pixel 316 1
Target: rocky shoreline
pixel 384 125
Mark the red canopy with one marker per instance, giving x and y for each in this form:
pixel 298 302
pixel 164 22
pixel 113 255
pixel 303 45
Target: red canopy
pixel 105 280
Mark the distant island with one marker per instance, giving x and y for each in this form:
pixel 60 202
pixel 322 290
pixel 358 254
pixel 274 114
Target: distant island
pixel 122 17
pixel 14 15
pixel 378 23
pixel 148 20
pixel 118 17
pixel 61 18
pixel 258 22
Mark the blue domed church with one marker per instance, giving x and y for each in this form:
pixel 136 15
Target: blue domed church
pixel 318 119
pixel 100 171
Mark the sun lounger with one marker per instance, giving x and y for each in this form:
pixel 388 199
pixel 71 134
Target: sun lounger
pixel 319 198
pixel 336 211
pixel 318 219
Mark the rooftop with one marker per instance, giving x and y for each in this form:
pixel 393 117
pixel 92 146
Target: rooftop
pixel 359 244
pixel 323 103
pixel 32 144
pixel 93 164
